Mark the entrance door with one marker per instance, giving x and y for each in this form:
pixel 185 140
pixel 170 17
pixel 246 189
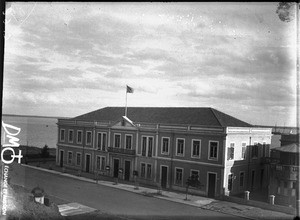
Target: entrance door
pixel 164 175
pixel 61 158
pixel 116 168
pixel 211 185
pixel 261 178
pixel 87 163
pixel 127 170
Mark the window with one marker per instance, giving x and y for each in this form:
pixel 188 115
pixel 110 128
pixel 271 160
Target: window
pixel 195 174
pixel 230 181
pixel 88 137
pixel 230 153
pixel 101 141
pixel 242 176
pixel 180 147
pixel 243 156
pixel 79 137
pixel 71 136
pixel 62 135
pixel 128 140
pixel 100 163
pixel 143 170
pixel 255 150
pixel 149 171
pixel 150 145
pixel 294 185
pixel 70 157
pixel 78 159
pixel 265 149
pixel 144 146
pixel 165 146
pixel 213 150
pixel 117 141
pixel 147 146
pixel 196 148
pixel 178 176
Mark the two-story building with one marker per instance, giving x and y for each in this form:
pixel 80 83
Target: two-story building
pixel 283 165
pixel 166 146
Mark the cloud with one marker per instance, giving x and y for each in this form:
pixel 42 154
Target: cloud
pixel 71 55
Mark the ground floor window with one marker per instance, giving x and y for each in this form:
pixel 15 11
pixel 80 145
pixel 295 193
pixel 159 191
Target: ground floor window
pixel 78 159
pixel 149 171
pixel 178 176
pixel 70 157
pixel 100 163
pixel 143 170
pixel 230 181
pixel 242 176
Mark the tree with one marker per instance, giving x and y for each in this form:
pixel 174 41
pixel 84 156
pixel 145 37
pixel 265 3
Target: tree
pixel 45 151
pixel 286 11
pixel 192 181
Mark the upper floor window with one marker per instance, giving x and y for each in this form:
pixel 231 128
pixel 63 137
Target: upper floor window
pixel 79 137
pixel 255 150
pixel 180 147
pixel 128 140
pixel 150 146
pixel 243 156
pixel 230 153
pixel 196 148
pixel 117 143
pixel 88 137
pixel 147 146
pixel 213 150
pixel 165 145
pixel 71 132
pixel 62 135
pixel 101 141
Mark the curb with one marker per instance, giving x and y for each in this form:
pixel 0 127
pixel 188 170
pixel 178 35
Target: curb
pixel 140 192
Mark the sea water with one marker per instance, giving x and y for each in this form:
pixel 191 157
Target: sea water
pixel 36 131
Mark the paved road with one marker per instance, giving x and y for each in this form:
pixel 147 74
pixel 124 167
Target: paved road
pixel 107 199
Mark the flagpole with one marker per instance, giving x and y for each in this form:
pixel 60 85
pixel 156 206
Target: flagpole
pixel 126 103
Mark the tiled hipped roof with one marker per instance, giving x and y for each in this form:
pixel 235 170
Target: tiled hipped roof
pixel 166 115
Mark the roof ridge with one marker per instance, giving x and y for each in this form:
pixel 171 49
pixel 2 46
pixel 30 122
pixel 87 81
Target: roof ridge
pixel 213 111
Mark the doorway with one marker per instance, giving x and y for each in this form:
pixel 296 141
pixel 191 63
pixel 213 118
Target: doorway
pixel 211 185
pixel 116 168
pixel 127 170
pixel 164 176
pixel 87 162
pixel 61 160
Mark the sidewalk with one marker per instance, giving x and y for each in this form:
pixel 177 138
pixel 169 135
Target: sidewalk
pixel 197 201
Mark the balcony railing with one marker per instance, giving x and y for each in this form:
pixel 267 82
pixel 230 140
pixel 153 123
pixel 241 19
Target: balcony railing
pixel 121 151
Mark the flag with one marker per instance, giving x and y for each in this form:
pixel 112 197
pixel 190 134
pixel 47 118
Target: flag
pixel 129 89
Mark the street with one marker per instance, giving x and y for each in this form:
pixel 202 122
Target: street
pixel 107 199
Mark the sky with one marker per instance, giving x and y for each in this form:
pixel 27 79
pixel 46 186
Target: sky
pixel 67 59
